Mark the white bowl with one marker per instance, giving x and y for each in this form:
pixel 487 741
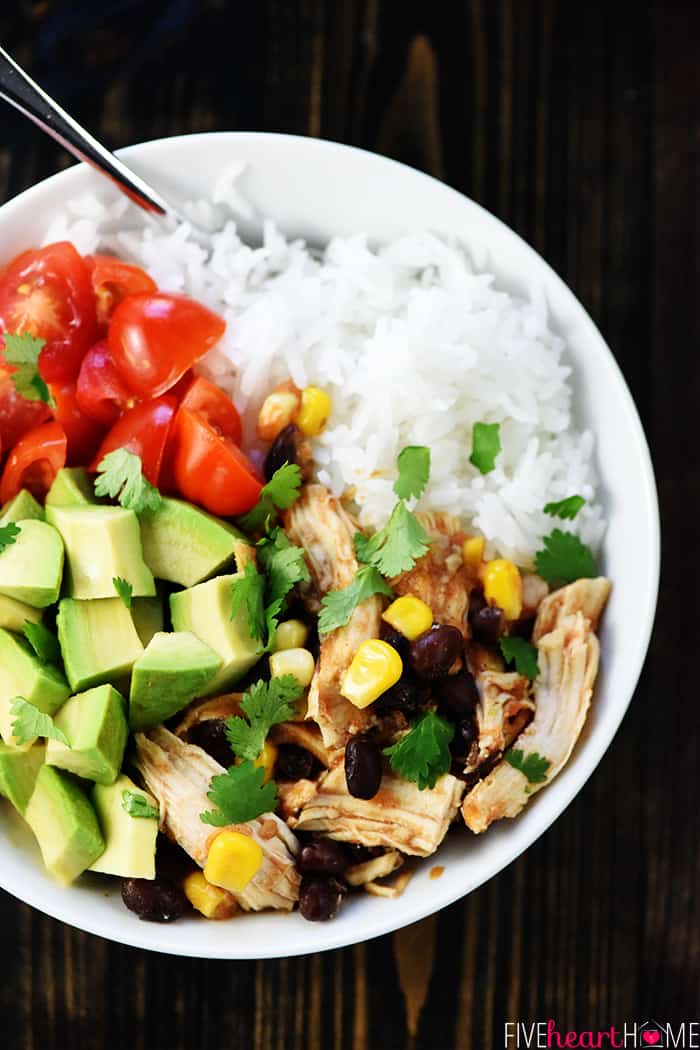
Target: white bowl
pixel 317 189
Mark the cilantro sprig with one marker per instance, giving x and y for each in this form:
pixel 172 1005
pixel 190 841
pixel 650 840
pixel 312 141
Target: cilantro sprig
pixel 565 508
pixel 522 653
pixel 534 767
pixel 263 594
pixel 280 492
pixel 283 562
pixel 423 754
pixel 8 535
pixel 22 354
pixel 564 558
pixel 239 795
pixel 137 805
pixel 414 470
pixel 121 477
pixel 43 642
pixel 123 589
pixel 265 704
pixel 397 547
pixel 31 723
pixel 338 606
pixel 486 445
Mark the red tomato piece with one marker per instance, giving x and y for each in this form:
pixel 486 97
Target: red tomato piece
pixel 102 393
pixel 154 338
pixel 209 469
pixel 215 406
pixel 34 462
pixel 83 434
pixel 17 415
pixel 113 280
pixel 143 430
pixel 48 293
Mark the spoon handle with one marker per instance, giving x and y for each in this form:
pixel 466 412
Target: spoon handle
pixel 25 95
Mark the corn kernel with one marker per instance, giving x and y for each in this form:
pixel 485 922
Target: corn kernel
pixel 267 759
pixel 299 662
pixel 316 407
pixel 233 860
pixel 473 554
pixel 504 587
pixel 278 410
pixel 375 667
pixel 290 634
pixel 409 615
pixel 210 900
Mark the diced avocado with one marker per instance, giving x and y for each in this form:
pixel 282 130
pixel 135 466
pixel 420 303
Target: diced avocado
pixel 31 568
pixel 130 849
pixel 101 544
pixel 205 610
pixel 95 725
pixel 98 641
pixel 14 614
pixel 174 669
pixel 18 773
pixel 64 823
pixel 186 545
pixel 20 508
pixel 71 488
pixel 148 616
pixel 23 674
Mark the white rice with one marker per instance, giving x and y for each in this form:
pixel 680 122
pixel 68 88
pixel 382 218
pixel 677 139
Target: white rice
pixel 414 347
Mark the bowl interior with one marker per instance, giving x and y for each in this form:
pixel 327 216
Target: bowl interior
pixel 318 189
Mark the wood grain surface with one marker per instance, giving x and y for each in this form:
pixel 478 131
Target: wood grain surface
pixel 579 125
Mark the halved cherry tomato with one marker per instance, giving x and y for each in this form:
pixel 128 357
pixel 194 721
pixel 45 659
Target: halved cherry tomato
pixel 155 337
pixel 34 461
pixel 48 293
pixel 17 415
pixel 215 406
pixel 113 280
pixel 82 433
pixel 102 393
pixel 143 430
pixel 209 469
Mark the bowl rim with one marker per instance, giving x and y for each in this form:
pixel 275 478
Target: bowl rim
pixel 153 938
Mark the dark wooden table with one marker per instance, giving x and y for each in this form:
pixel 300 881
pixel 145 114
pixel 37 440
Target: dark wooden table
pixel 579 125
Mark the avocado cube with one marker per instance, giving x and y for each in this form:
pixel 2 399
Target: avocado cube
pixel 71 488
pixel 184 544
pixel 98 641
pixel 65 825
pixel 31 568
pixel 23 674
pixel 101 544
pixel 173 670
pixel 205 610
pixel 95 724
pixel 130 849
pixel 18 773
pixel 148 616
pixel 14 614
pixel 20 508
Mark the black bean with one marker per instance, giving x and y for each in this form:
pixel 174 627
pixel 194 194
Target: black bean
pixel 433 653
pixel 294 763
pixel 323 857
pixel 395 639
pixel 154 900
pixel 282 450
pixel 486 621
pixel 363 767
pixel 457 694
pixel 320 898
pixel 465 735
pixel 210 735
pixel 408 695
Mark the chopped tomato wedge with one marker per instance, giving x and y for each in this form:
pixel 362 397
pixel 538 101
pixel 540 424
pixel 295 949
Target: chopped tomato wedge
pixel 17 415
pixel 143 430
pixel 209 469
pixel 48 293
pixel 34 462
pixel 102 393
pixel 215 406
pixel 155 337
pixel 83 434
pixel 113 280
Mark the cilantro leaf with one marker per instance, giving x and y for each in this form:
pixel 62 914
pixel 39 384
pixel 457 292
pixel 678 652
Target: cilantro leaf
pixel 284 564
pixel 533 766
pixel 121 477
pixel 22 353
pixel 43 642
pixel 123 589
pixel 30 723
pixel 265 704
pixel 522 654
pixel 414 471
pixel 240 796
pixel 564 559
pixel 397 547
pixel 486 444
pixel 565 508
pixel 338 606
pixel 249 590
pixel 278 494
pixel 137 805
pixel 423 754
pixel 8 535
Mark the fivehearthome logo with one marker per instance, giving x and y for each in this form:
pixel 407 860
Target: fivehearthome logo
pixel 643 1035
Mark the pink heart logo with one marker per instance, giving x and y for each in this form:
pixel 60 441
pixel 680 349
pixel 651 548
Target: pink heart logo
pixel 650 1038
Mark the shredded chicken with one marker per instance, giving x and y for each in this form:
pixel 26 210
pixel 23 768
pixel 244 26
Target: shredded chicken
pixel 584 596
pixel 293 795
pixel 244 553
pixel 399 816
pixel 376 868
pixel 535 590
pixel 504 709
pixel 178 775
pixel 318 523
pixel 439 578
pixel 392 887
